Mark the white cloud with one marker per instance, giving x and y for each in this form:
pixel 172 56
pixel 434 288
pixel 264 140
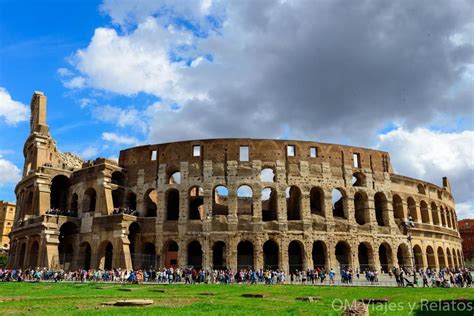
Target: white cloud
pixel 129 117
pixel 465 210
pixel 76 82
pixel 9 173
pixel 89 152
pixel 12 111
pixel 431 155
pixel 119 139
pixel 64 72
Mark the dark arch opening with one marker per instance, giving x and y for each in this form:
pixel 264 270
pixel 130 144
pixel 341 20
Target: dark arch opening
pixel 218 256
pixel 172 205
pixel 117 198
pixel 220 201
pixel 319 254
pixel 109 252
pixel 270 255
pixel 358 179
pixel 425 213
pixel 151 202
pixel 435 214
pixel 245 255
pixel 269 204
pixel 59 192
pixel 365 256
pixel 430 257
pixel 67 234
pixel 381 209
pixel 118 178
pixel 403 256
pixel 295 256
pixel 293 203
pixel 33 255
pixel 385 257
pixel 441 258
pixel 196 203
pixel 343 255
pixel 397 207
pixel 90 197
pixel 149 256
pixel 338 204
pixel 131 201
pixel 418 256
pixel 133 237
pixel 361 207
pixel 317 201
pixel 195 255
pixel 412 209
pixel 171 254
pixel 86 253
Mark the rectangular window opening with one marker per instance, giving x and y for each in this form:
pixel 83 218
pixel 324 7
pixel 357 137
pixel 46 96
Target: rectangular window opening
pixel 244 153
pixel 153 155
pixel 356 158
pixel 196 150
pixel 290 150
pixel 313 152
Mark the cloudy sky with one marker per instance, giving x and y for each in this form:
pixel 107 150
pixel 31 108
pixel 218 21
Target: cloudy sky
pixel 393 75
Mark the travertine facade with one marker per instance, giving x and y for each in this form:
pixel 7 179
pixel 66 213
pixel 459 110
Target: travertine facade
pixel 234 203
pixel 7 216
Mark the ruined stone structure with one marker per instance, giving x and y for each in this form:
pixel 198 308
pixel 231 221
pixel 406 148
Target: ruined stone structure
pixel 235 203
pixel 7 216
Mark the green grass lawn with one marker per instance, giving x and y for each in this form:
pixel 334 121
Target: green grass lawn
pixel 69 299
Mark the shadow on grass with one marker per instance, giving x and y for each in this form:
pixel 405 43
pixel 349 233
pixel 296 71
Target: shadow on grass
pixel 445 307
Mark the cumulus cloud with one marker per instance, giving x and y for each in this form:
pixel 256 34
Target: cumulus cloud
pixel 12 111
pixel 119 139
pixel 9 173
pixel 430 155
pixel 89 152
pixel 130 117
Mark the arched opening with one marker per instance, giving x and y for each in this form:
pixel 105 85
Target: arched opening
pixel 172 205
pixel 418 256
pixel 133 237
pixel 319 254
pixel 443 216
pixel 245 255
pixel 358 179
pixel 118 178
pixel 434 214
pixel 270 255
pixel 425 216
pixel 131 201
pixel 85 253
pixel 171 254
pixel 196 203
pixel 337 197
pixel 385 257
pixel 343 255
pixel 267 175
pixel 448 218
pixel 218 256
pixel 244 200
pixel 441 258
pixel 430 257
pixel 459 260
pixel 67 234
pixel 365 254
pixel 149 256
pixel 21 257
pixel 403 256
pixel 33 255
pixel 421 189
pixel 151 202
pixel 381 209
pixel 295 256
pixel 361 207
pixel 412 209
pixel 74 204
pixel 220 201
pixel 89 201
pixel 117 198
pixel 450 258
pixel 109 252
pixel 175 178
pixel 317 201
pixel 59 192
pixel 29 210
pixel 397 207
pixel 293 203
pixel 195 255
pixel 269 204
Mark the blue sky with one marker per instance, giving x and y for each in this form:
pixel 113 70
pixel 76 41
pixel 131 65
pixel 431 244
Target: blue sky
pixel 397 76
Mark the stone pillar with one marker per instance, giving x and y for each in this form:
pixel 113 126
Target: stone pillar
pixel 284 264
pixel 232 253
pixel 308 254
pixel 123 258
pixel 258 253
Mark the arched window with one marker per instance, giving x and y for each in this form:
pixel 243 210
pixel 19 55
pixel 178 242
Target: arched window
pixel 269 204
pixel 337 198
pixel 425 215
pixel 381 209
pixel 397 207
pixel 220 201
pixel 293 203
pixel 131 202
pixel 175 178
pixel 172 205
pixel 361 207
pixel 267 175
pixel 118 178
pixel 59 192
pixel 117 197
pixel 358 179
pixel 317 201
pixel 412 209
pixel 196 203
pixel 89 202
pixel 151 203
pixel 244 200
pixel 421 189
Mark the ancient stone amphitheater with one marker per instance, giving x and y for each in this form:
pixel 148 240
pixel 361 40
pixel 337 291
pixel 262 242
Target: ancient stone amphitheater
pixel 234 203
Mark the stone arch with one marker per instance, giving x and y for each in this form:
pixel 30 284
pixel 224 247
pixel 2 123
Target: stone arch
pixel 271 255
pixel 118 178
pixel 319 254
pixel 172 205
pixel 196 203
pixel 361 207
pixel 151 203
pixel 293 203
pixel 365 254
pixel 134 238
pixel 381 209
pixel 418 254
pixel 425 216
pixel 412 209
pixel 459 260
pixel 117 198
pixel 442 214
pixel 338 208
pixel 21 257
pixel 244 200
pixel 317 200
pixel 267 175
pixel 33 255
pixel 219 261
pixel 403 256
pixel 449 218
pixel 441 258
pixel 67 233
pixel 170 254
pixel 385 257
pixel 421 189
pixel 29 208
pixel 89 201
pixel 450 258
pixel 295 256
pixel 175 178
pixel 105 255
pixel 59 192
pixel 435 214
pixel 74 204
pixel 195 255
pixel 430 257
pixel 245 255
pixel 131 201
pixel 220 201
pixel 359 179
pixel 269 201
pixel 397 207
pixel 149 256
pixel 85 255
pixel 343 254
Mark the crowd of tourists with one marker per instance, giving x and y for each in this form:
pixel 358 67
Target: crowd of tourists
pixel 55 211
pixel 125 210
pixel 403 277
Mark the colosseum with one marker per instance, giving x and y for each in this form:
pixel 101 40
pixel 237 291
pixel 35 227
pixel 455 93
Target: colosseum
pixel 226 203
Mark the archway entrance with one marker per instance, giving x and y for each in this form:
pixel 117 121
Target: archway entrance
pixel 385 257
pixel 343 255
pixel 418 256
pixel 319 254
pixel 218 256
pixel 86 253
pixel 365 256
pixel 66 242
pixel 171 254
pixel 244 255
pixel 430 257
pixel 270 255
pixel 195 255
pixel 295 256
pixel 59 192
pixel 33 255
pixel 149 256
pixel 133 237
pixel 403 256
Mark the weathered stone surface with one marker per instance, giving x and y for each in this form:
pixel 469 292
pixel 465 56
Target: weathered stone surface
pixel 356 309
